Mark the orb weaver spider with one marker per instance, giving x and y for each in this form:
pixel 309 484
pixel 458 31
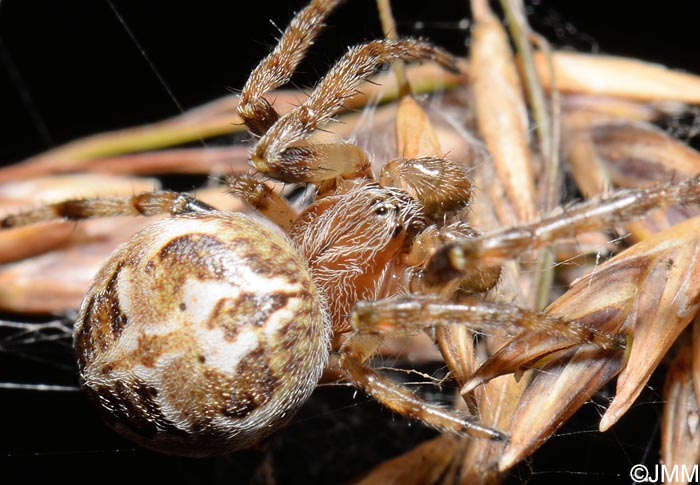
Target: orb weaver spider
pixel 205 332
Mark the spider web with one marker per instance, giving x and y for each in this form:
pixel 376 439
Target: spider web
pixel 54 93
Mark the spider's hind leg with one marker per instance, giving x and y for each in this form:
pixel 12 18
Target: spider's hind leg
pixel 147 204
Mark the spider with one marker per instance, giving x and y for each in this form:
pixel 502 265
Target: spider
pixel 205 332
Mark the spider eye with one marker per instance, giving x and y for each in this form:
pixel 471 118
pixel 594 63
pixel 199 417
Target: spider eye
pixel 382 210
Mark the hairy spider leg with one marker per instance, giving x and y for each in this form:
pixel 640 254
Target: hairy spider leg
pixel 408 314
pixel 279 153
pixel 359 347
pixel 276 68
pixel 263 199
pixel 468 256
pixel 147 204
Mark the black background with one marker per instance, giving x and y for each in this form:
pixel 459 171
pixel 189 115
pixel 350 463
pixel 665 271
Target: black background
pixel 68 69
pixel 84 75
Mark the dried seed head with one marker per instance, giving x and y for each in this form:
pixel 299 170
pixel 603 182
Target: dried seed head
pixel 201 335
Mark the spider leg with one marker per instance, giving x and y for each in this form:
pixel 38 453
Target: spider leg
pixel 277 68
pixel 416 312
pixel 147 204
pixel 359 347
pixel 428 242
pixel 444 189
pixel 458 259
pixel 371 320
pixel 262 198
pixel 280 154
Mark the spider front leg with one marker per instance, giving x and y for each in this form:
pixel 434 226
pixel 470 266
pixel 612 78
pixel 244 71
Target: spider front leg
pixel 465 257
pixel 281 153
pixel 148 204
pixel 277 68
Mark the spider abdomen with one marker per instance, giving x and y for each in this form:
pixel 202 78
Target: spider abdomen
pixel 201 335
